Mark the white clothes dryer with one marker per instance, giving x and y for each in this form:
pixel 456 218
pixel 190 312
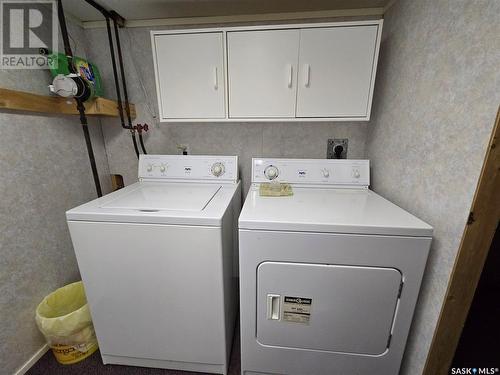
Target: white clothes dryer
pixel 329 277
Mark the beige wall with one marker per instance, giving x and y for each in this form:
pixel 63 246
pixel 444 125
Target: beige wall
pixel 44 171
pixel 435 101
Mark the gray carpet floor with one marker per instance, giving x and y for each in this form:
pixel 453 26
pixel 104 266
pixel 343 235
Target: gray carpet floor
pixel 47 365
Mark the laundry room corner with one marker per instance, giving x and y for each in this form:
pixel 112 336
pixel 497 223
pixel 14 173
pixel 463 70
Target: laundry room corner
pixel 288 187
pixel 245 139
pixel 45 171
pixel 138 67
pixel 434 109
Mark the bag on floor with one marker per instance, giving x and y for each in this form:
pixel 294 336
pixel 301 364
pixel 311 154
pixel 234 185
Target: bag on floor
pixel 64 319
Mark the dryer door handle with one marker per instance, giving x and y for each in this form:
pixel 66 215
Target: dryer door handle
pixel 273 306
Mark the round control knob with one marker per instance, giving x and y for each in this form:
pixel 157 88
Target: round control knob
pixel 356 174
pixel 326 173
pixel 163 168
pixel 149 168
pixel 218 169
pixel 271 172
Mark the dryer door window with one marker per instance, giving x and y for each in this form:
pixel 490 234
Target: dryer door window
pixel 337 308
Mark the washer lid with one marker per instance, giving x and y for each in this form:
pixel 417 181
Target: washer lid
pixel 161 203
pixel 160 196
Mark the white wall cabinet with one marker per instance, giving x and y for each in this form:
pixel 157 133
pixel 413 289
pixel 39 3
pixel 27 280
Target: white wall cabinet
pixel 336 69
pixel 262 67
pixel 318 72
pixel 190 75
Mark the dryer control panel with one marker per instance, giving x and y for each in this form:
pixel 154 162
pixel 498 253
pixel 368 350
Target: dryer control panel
pixel 341 172
pixel 188 167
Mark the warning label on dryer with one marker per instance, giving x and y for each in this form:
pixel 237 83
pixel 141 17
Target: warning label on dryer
pixel 297 309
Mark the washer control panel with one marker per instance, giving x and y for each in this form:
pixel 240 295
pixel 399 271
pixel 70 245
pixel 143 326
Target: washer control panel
pixel 188 167
pixel 312 171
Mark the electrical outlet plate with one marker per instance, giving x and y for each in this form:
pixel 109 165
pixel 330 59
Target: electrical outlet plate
pixel 332 144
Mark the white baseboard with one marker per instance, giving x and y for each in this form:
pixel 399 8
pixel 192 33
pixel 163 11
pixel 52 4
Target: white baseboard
pixel 39 353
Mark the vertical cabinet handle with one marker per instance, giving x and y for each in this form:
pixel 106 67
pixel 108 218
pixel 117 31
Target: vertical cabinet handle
pixel 290 75
pixel 216 79
pixel 307 75
pixel 273 306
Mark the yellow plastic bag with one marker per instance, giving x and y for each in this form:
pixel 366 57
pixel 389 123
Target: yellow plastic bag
pixel 64 319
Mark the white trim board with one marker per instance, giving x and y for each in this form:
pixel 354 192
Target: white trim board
pixel 266 17
pixel 221 120
pixel 34 359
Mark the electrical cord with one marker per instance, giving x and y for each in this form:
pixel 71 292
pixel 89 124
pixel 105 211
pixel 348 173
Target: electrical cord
pixel 141 141
pixel 140 128
pixel 134 141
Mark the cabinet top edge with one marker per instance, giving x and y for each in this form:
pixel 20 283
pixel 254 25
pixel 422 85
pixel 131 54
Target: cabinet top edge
pixel 378 22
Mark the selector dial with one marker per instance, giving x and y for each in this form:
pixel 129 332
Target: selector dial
pixel 149 168
pixel 355 173
pixel 326 172
pixel 163 168
pixel 218 169
pixel 271 172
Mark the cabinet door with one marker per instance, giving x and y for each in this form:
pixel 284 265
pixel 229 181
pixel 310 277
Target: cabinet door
pixel 190 75
pixel 336 66
pixel 262 71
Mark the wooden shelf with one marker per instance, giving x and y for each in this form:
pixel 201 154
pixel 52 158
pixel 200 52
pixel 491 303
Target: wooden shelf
pixel 25 101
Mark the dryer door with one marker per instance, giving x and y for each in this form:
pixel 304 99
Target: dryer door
pixel 335 308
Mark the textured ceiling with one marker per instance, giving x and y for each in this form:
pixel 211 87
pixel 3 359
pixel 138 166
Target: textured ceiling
pixel 154 9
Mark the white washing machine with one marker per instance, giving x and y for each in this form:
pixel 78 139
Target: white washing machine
pixel 157 261
pixel 329 277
